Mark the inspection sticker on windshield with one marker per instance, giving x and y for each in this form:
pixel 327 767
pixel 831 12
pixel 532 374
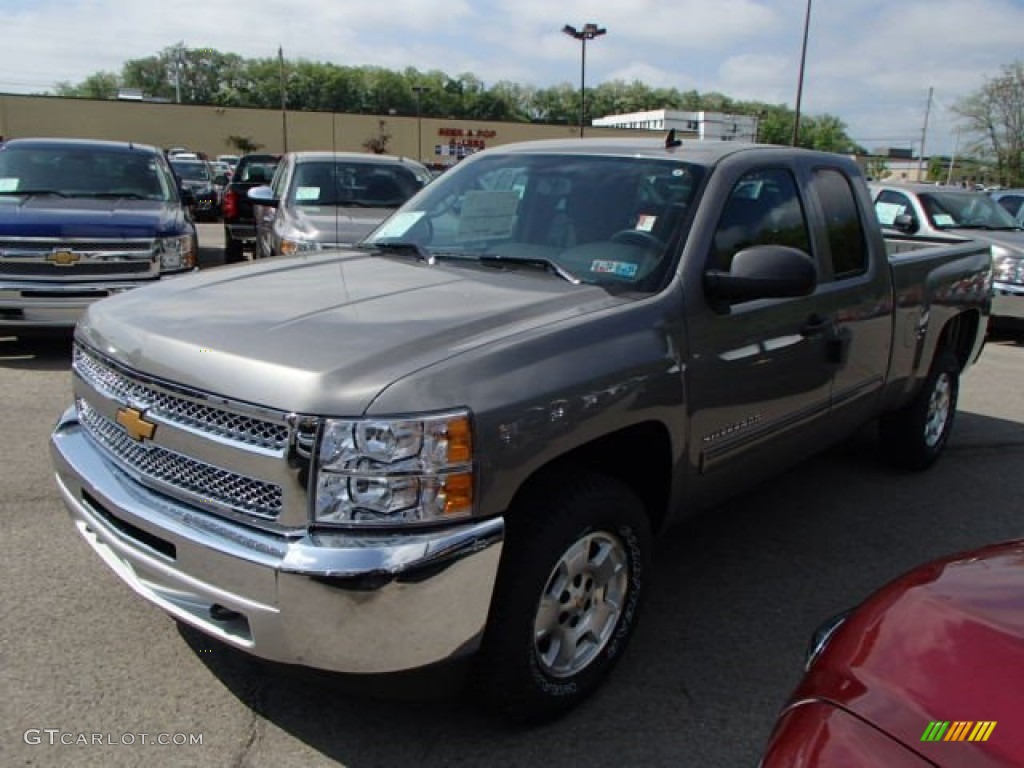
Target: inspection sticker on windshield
pixel 398 224
pixel 617 268
pixel 8 184
pixel 488 214
pixel 646 222
pixel 307 193
pixel 943 220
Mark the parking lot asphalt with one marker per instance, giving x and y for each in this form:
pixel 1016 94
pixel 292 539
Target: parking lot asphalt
pixel 736 593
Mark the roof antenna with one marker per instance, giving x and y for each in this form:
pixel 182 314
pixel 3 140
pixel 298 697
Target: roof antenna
pixel 671 140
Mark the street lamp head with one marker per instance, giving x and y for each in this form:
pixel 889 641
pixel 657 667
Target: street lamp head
pixel 589 31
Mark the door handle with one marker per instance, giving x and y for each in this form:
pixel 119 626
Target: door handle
pixel 815 326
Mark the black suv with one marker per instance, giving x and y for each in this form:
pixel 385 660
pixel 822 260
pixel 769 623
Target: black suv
pixel 239 224
pixel 198 178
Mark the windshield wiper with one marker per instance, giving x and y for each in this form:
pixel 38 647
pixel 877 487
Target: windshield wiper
pixel 33 192
pixel 533 261
pixel 399 246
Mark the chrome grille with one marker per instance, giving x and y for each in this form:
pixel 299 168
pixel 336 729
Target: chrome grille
pixel 177 409
pixel 47 245
pixel 172 472
pixel 82 269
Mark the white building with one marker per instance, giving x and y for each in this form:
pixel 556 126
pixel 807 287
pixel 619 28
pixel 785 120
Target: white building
pixel 710 126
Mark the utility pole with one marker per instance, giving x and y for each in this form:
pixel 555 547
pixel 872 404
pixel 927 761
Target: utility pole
pixel 924 135
pixel 800 79
pixel 178 51
pixel 952 160
pixel 284 101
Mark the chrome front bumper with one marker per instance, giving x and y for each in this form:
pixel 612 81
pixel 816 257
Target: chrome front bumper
pixel 350 603
pixel 1008 300
pixel 35 304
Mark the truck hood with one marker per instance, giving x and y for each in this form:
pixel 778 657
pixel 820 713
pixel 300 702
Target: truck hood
pixel 324 333
pixel 83 217
pixel 1010 239
pixel 943 643
pixel 339 224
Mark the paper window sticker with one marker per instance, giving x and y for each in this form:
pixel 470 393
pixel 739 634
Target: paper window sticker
pixel 887 212
pixel 398 224
pixel 646 222
pixel 9 184
pixel 307 193
pixel 943 220
pixel 488 214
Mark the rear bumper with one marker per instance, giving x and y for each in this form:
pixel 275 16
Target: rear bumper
pixel 350 603
pixel 246 232
pixel 1008 301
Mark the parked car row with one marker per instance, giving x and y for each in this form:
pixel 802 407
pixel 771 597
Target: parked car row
pixel 930 212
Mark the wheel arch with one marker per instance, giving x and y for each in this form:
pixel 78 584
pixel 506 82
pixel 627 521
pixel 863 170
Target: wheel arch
pixel 639 456
pixel 960 334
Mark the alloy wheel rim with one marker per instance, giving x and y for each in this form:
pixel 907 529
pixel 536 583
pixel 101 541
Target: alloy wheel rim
pixel 581 604
pixel 938 410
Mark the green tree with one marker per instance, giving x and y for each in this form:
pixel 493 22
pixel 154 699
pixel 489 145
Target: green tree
pixel 100 85
pixel 877 167
pixel 993 117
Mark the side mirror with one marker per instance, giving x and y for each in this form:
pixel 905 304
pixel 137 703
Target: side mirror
pixel 221 180
pixel 763 272
pixel 187 196
pixel 263 196
pixel 905 223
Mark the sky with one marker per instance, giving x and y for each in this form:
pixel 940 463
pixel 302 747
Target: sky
pixel 869 62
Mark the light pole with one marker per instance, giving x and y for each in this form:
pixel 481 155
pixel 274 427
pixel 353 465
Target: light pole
pixel 419 89
pixel 589 32
pixel 800 79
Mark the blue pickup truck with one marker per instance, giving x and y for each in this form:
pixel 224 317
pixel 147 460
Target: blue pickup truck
pixel 81 220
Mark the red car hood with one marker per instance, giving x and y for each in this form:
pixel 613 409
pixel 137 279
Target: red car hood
pixel 943 643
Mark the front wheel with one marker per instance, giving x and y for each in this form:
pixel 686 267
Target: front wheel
pixel 577 557
pixel 915 436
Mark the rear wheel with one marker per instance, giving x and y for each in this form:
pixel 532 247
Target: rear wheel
pixel 915 436
pixel 577 556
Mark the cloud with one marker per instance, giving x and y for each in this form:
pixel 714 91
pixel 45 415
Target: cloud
pixel 870 62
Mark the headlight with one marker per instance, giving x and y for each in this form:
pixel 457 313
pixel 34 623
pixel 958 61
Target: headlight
pixel 1008 267
pixel 290 245
pixel 387 472
pixel 176 253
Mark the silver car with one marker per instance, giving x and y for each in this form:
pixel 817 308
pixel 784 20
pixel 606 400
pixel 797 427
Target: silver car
pixel 320 200
pixel 937 212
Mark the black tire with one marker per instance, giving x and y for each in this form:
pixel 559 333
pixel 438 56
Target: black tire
pixel 915 436
pixel 542 598
pixel 233 250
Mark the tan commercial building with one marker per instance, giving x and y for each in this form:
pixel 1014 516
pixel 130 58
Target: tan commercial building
pixel 209 129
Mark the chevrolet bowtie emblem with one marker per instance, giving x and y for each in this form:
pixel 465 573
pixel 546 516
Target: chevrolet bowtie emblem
pixel 137 427
pixel 63 257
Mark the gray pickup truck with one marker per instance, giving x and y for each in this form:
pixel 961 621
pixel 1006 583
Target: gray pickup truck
pixel 460 436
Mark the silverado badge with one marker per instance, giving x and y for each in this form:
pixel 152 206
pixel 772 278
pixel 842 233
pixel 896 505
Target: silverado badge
pixel 135 425
pixel 63 257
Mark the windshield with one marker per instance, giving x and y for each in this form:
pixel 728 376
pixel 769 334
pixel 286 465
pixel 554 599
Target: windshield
pixel 965 210
pixel 602 219
pixel 340 182
pixel 81 171
pixel 192 171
